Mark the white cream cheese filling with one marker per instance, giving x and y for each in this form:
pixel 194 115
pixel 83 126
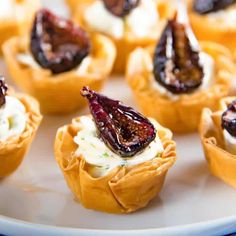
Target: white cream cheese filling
pixel 12 118
pixel 141 21
pixel 207 63
pixel 96 153
pixel 28 60
pixel 6 9
pixel 227 17
pixel 230 142
pixel 11 9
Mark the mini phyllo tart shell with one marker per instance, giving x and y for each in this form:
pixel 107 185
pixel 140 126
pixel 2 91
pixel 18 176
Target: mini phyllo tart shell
pixel 13 150
pixel 20 23
pixel 126 44
pixel 183 114
pixel 124 189
pixel 221 162
pixel 207 29
pixel 60 93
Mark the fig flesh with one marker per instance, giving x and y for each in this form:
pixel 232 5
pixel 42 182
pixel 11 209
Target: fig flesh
pixel 120 8
pixel 207 6
pixel 125 131
pixel 228 119
pixel 57 44
pixel 3 91
pixel 176 62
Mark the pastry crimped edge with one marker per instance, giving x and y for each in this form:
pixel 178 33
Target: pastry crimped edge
pixel 58 94
pixel 13 150
pixel 16 26
pixel 221 162
pixel 123 189
pixel 180 115
pixel 207 30
pixel 128 43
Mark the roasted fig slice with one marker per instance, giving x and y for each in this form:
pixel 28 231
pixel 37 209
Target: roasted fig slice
pixel 3 91
pixel 124 130
pixel 228 119
pixel 176 62
pixel 120 8
pixel 57 44
pixel 207 6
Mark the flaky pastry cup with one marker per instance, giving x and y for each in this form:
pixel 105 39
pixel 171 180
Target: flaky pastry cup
pixel 221 163
pixel 123 189
pixel 13 150
pixel 129 42
pixel 183 114
pixel 21 22
pixel 60 93
pixel 206 29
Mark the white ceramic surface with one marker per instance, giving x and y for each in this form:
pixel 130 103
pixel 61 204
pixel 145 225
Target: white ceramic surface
pixel 36 201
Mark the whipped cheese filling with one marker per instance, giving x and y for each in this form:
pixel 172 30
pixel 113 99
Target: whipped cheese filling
pixel 207 63
pixel 230 142
pixel 12 118
pixel 227 17
pixel 6 9
pixel 141 21
pixel 28 60
pixel 11 9
pixel 96 153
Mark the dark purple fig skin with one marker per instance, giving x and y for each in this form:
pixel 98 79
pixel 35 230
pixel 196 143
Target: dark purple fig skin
pixel 228 119
pixel 206 6
pixel 57 44
pixel 120 8
pixel 179 72
pixel 3 91
pixel 125 131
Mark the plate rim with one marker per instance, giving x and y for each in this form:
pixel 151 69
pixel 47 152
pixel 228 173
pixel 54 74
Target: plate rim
pixel 224 225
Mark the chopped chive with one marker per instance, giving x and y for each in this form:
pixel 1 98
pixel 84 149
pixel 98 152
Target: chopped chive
pixel 105 154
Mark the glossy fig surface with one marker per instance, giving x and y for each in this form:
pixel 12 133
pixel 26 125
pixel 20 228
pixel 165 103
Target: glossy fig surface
pixel 57 44
pixel 120 8
pixel 208 6
pixel 124 130
pixel 176 63
pixel 228 119
pixel 3 91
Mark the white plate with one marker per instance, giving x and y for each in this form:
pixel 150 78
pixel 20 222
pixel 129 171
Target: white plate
pixel 36 201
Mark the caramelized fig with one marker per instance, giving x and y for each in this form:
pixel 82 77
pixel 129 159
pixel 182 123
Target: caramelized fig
pixel 3 91
pixel 124 130
pixel 207 6
pixel 228 119
pixel 57 44
pixel 120 8
pixel 176 63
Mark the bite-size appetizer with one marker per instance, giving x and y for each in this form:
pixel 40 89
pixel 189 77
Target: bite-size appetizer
pixel 16 17
pixel 115 160
pixel 176 80
pixel 19 120
pixel 214 20
pixel 128 23
pixel 218 135
pixel 56 61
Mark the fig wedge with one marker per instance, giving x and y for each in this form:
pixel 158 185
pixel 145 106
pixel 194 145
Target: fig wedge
pixel 176 61
pixel 207 6
pixel 228 119
pixel 3 91
pixel 125 131
pixel 120 8
pixel 57 44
